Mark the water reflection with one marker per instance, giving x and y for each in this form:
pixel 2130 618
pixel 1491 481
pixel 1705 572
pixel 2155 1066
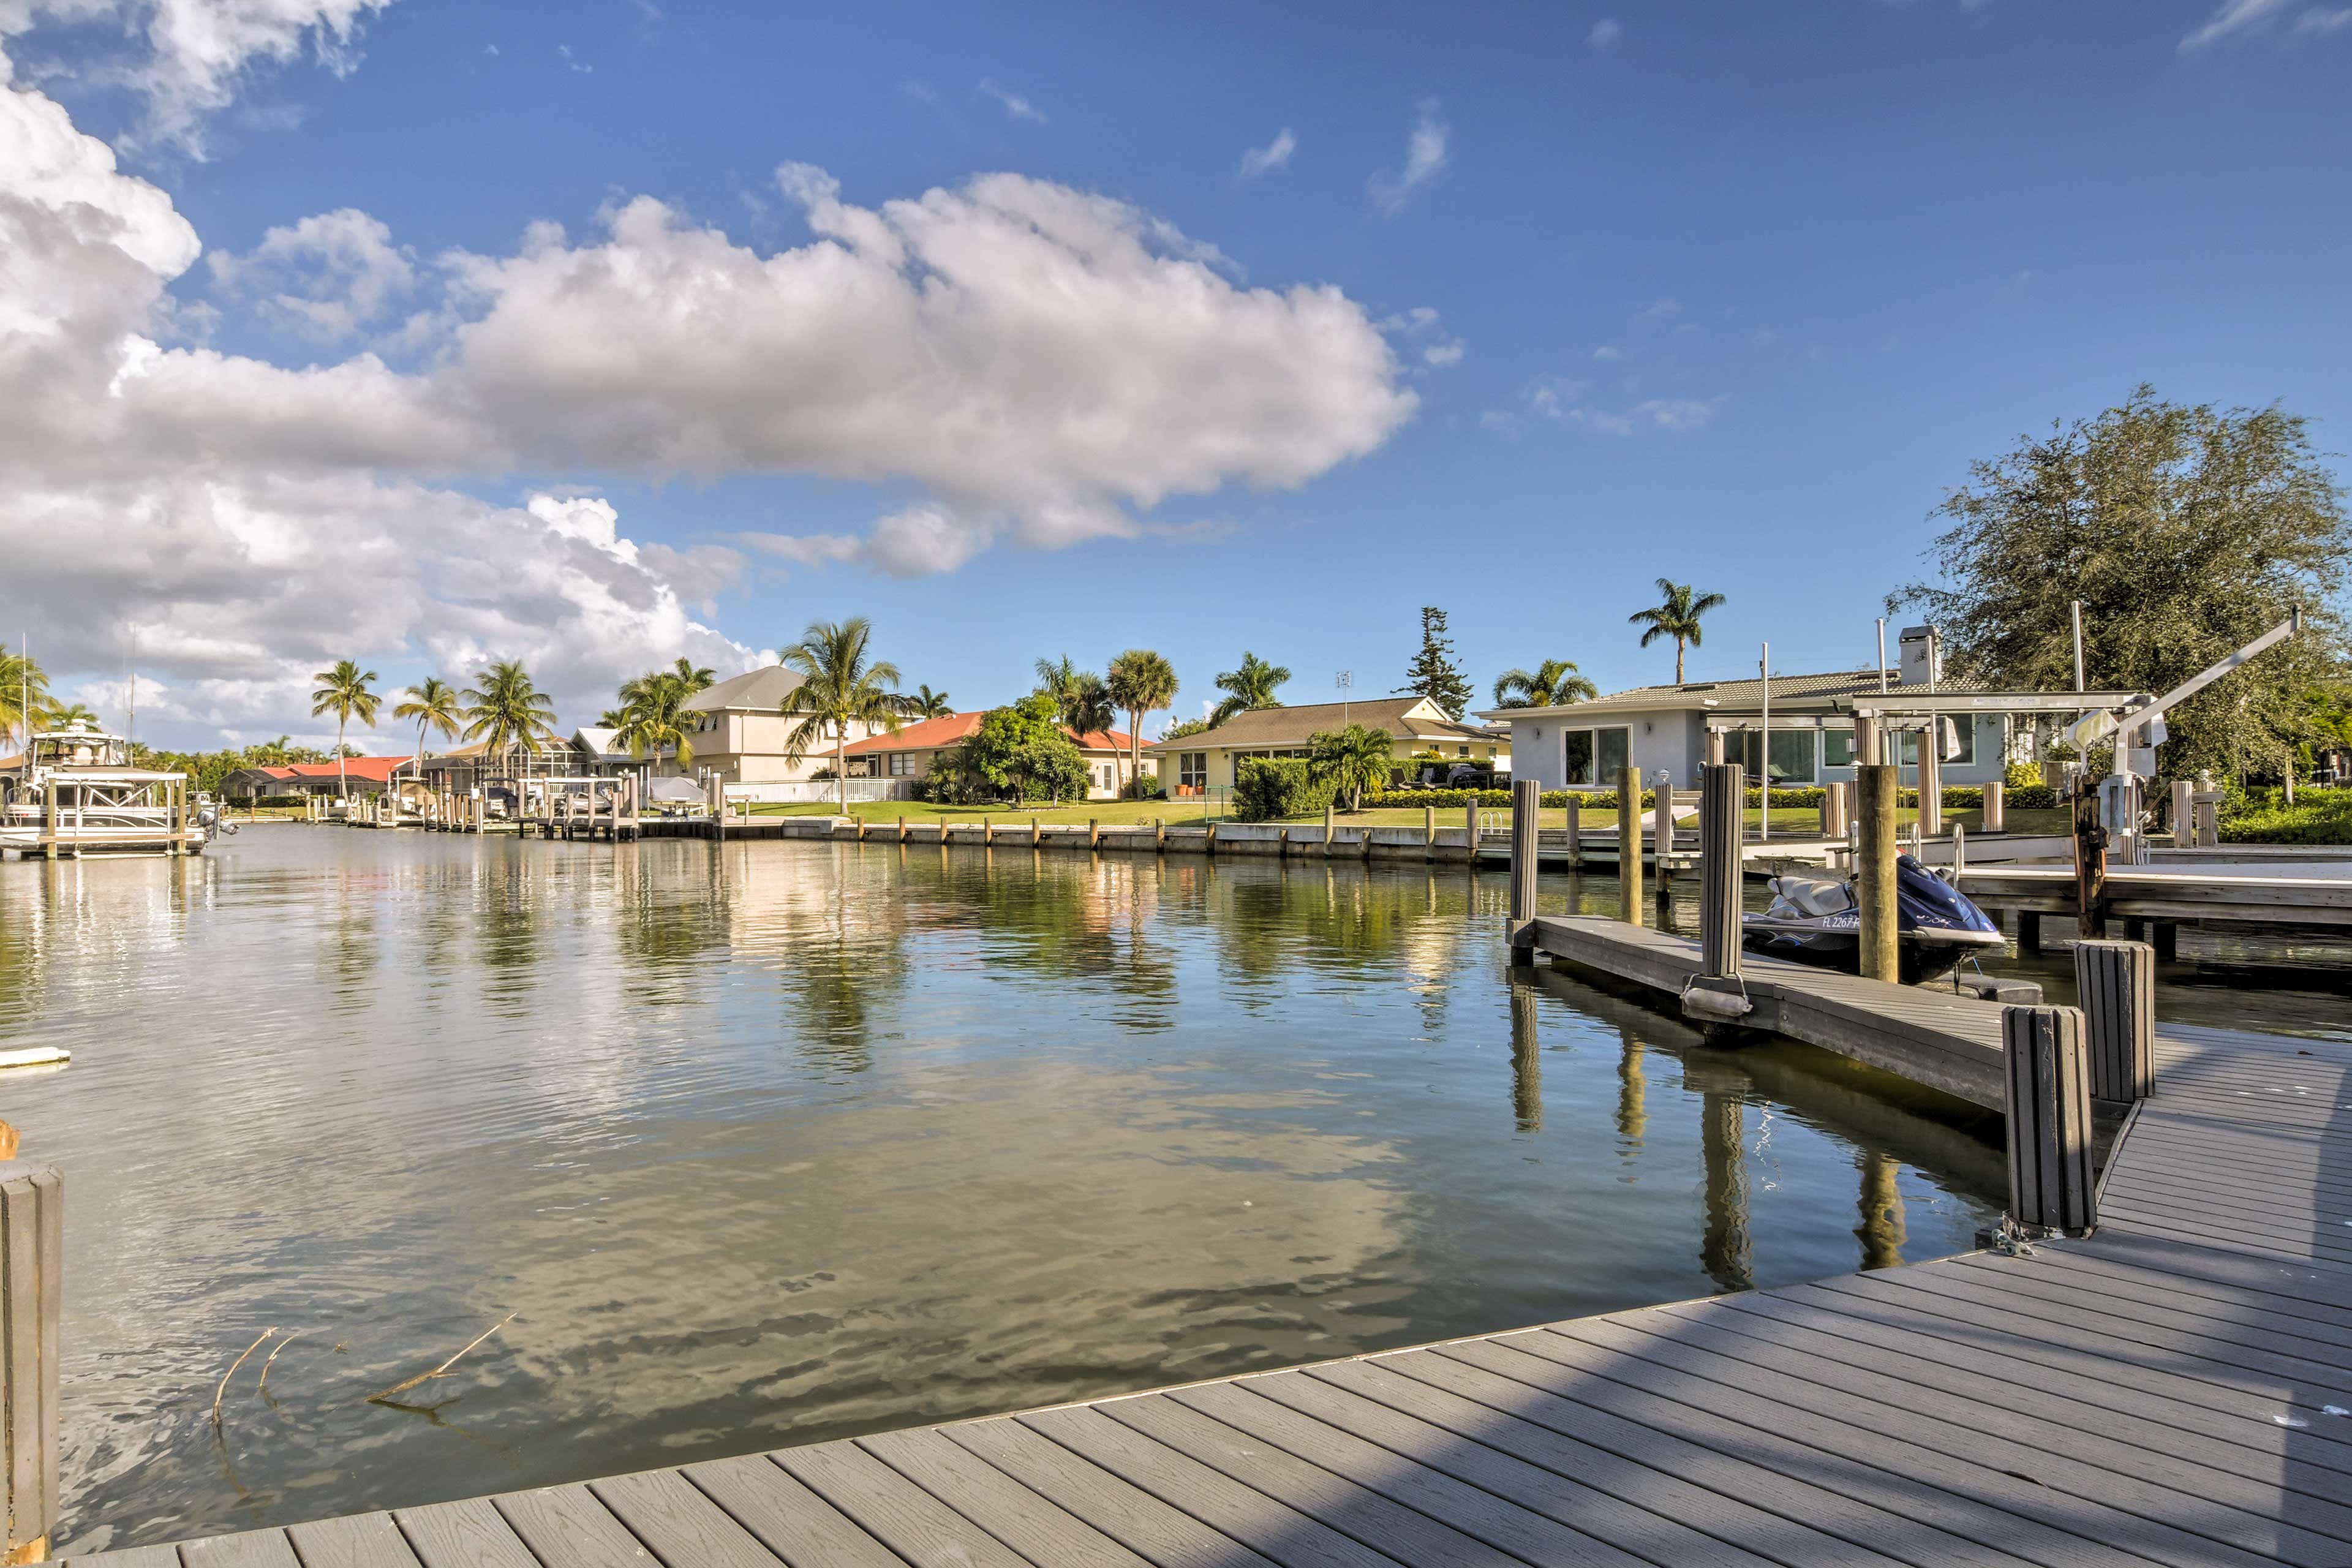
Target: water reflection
pixel 770 1142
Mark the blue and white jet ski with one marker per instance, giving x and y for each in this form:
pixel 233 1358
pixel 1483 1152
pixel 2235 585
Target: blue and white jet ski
pixel 1815 921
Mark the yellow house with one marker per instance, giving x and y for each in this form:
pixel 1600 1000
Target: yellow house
pixel 1206 761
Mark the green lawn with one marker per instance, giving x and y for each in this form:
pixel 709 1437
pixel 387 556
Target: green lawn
pixel 1110 813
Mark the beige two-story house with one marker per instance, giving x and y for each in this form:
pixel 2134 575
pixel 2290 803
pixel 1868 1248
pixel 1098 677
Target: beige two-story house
pixel 740 730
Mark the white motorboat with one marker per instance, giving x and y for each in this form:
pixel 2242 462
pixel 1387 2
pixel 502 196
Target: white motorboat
pixel 75 791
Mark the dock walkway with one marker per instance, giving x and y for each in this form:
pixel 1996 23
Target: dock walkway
pixel 2176 1390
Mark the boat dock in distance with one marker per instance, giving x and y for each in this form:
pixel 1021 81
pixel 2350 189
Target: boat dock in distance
pixel 2172 1389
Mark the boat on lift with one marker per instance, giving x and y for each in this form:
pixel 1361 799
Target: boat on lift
pixel 77 791
pixel 1818 920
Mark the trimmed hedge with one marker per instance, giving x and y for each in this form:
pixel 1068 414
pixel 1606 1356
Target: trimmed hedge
pixel 1956 797
pixel 1267 789
pixel 2317 816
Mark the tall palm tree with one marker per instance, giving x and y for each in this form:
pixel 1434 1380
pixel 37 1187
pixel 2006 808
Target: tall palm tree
pixel 1677 617
pixel 1554 684
pixel 505 708
pixel 24 693
pixel 60 717
pixel 927 703
pixel 839 687
pixel 1248 689
pixel 1140 681
pixel 1087 707
pixel 693 677
pixel 343 691
pixel 432 704
pixel 611 719
pixel 652 714
pixel 1354 760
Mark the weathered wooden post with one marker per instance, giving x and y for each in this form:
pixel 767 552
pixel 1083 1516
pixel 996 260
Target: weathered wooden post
pixel 2049 1105
pixel 2089 864
pixel 1629 845
pixel 1428 833
pixel 2184 814
pixel 1575 832
pixel 1526 800
pixel 32 1327
pixel 1327 830
pixel 2207 802
pixel 2116 984
pixel 1874 789
pixel 1716 994
pixel 1094 833
pixel 1931 779
pixel 1661 828
pixel 1470 820
pixel 987 833
pixel 1996 807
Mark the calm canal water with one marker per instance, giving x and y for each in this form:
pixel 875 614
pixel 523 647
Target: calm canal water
pixel 780 1142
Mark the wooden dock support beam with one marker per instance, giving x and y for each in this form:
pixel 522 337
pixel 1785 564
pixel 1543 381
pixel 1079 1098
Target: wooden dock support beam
pixel 1873 869
pixel 1629 844
pixel 32 1329
pixel 1527 802
pixel 2116 984
pixel 1575 832
pixel 1996 807
pixel 1717 994
pixel 2048 1106
pixel 1428 833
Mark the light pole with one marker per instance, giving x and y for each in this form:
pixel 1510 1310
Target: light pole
pixel 1345 683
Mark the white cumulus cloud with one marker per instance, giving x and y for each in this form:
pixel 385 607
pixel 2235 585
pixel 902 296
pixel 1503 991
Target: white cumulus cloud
pixel 1424 160
pixel 330 275
pixel 1273 155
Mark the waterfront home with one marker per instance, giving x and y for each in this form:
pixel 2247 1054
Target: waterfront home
pixel 1663 729
pixel 598 752
pixel 361 775
pixel 1417 726
pixel 740 735
pixel 909 754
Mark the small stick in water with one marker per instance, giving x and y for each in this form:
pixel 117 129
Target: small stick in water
pixel 443 1368
pixel 232 1373
pixel 271 1360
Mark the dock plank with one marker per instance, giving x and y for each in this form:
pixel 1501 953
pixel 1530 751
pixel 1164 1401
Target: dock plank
pixel 360 1540
pixel 569 1525
pixel 468 1534
pixel 791 1521
pixel 1166 1536
pixel 893 1509
pixel 1036 1529
pixel 667 1513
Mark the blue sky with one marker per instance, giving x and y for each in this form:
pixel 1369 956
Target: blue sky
pixel 1723 293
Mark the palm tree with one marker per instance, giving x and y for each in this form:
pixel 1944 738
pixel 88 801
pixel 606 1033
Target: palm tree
pixel 274 753
pixel 343 691
pixel 505 708
pixel 838 687
pixel 1249 687
pixel 1354 760
pixel 60 717
pixel 24 693
pixel 611 719
pixel 1555 684
pixel 432 704
pixel 653 713
pixel 693 677
pixel 1140 681
pixel 927 703
pixel 1677 617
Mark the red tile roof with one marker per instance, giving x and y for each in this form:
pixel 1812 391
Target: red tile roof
pixel 374 769
pixel 954 728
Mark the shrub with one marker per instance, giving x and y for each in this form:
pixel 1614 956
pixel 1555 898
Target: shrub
pixel 1266 788
pixel 2317 816
pixel 1143 787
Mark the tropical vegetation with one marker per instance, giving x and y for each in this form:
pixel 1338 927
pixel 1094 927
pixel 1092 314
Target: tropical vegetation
pixel 1554 683
pixel 653 716
pixel 1677 616
pixel 841 685
pixel 23 692
pixel 1021 752
pixel 344 691
pixel 1432 673
pixel 2186 532
pixel 432 703
pixel 1142 683
pixel 505 707
pixel 1248 689
pixel 926 704
pixel 1354 762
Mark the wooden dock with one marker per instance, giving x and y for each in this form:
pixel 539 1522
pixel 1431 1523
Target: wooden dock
pixel 2176 1390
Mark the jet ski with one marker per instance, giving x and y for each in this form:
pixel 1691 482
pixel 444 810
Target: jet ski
pixel 1816 921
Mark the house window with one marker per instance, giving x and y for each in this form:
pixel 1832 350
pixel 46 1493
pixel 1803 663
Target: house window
pixel 1193 769
pixel 1837 747
pixel 1465 750
pixel 1792 756
pixel 901 765
pixel 1594 757
pixel 1966 728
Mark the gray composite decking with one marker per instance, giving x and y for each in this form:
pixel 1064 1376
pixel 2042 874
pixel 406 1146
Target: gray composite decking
pixel 2177 1389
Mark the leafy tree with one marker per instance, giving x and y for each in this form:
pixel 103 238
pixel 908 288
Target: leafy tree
pixel 653 713
pixel 2187 533
pixel 1432 673
pixel 432 704
pixel 23 692
pixel 1141 681
pixel 927 703
pixel 344 692
pixel 507 709
pixel 1020 750
pixel 1248 689
pixel 1079 696
pixel 1675 615
pixel 1352 761
pixel 1555 683
pixel 840 686
pixel 1183 728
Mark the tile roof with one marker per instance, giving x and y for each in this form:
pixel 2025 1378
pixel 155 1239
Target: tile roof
pixel 760 691
pixel 1292 726
pixel 1746 693
pixel 952 729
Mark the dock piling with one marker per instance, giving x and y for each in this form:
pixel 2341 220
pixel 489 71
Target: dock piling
pixel 32 1319
pixel 1526 800
pixel 1873 869
pixel 1723 797
pixel 1470 821
pixel 1629 844
pixel 2116 984
pixel 1996 807
pixel 1661 828
pixel 1429 833
pixel 1575 833
pixel 2048 1115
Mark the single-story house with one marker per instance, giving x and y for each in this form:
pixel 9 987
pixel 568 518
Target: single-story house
pixel 1663 729
pixel 598 752
pixel 909 754
pixel 1207 760
pixel 739 730
pixel 362 775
